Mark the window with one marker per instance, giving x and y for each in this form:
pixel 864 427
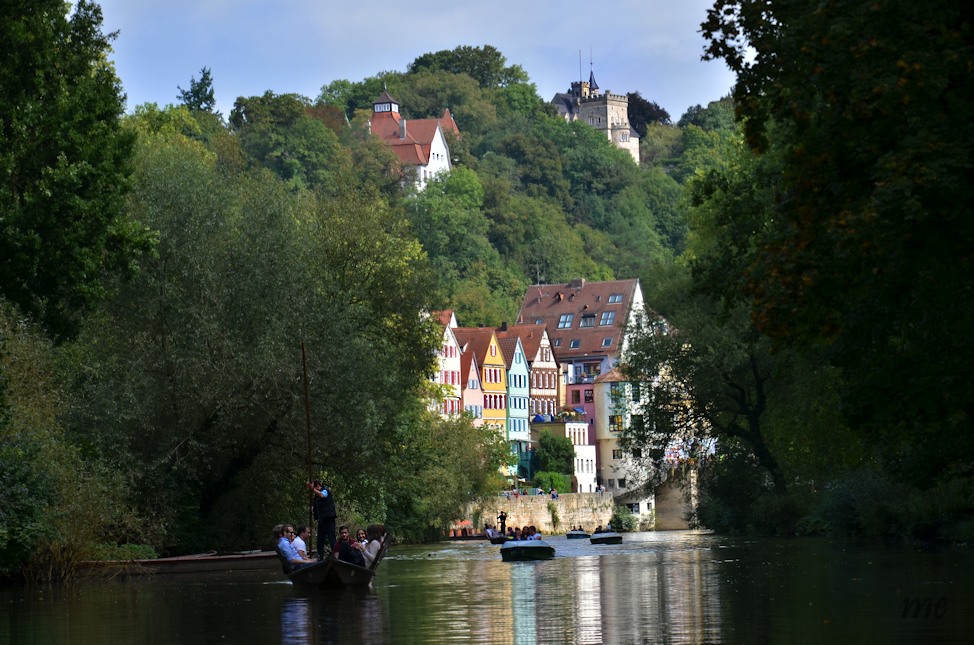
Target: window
pixel 622 482
pixel 625 136
pixel 607 342
pixel 588 396
pixel 574 344
pixel 633 508
pixel 576 396
pixel 539 321
pixel 615 423
pixel 588 320
pixel 615 298
pixel 612 483
pixel 493 350
pixel 557 342
pixel 608 318
pixel 565 321
pixel 617 453
pixel 637 453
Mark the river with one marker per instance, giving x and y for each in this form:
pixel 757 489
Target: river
pixel 666 587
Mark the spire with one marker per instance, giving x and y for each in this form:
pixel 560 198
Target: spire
pixel 592 85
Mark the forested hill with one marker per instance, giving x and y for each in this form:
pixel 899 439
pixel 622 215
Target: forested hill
pixel 532 198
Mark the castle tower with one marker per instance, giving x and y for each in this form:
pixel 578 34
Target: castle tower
pixel 607 112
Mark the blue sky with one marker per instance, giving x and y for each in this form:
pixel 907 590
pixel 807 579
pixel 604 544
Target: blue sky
pixel 650 46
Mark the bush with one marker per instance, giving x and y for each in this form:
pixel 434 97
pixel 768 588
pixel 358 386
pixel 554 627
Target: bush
pixel 548 480
pixel 623 520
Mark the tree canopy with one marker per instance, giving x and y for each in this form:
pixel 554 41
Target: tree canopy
pixel 65 162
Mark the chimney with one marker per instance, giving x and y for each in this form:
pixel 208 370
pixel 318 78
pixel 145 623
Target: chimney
pixel 504 326
pixel 402 129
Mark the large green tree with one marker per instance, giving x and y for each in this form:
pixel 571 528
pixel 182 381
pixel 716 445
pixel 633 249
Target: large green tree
pixel 64 161
pixel 869 250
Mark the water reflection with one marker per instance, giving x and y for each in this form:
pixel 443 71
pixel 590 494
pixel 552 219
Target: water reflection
pixel 665 587
pixel 333 617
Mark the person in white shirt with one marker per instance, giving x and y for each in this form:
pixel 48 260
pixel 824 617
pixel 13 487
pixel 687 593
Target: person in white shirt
pixel 300 541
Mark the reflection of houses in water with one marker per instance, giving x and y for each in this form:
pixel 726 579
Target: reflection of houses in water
pixel 524 600
pixel 588 601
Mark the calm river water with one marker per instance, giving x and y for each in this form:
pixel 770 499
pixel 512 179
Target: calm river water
pixel 668 587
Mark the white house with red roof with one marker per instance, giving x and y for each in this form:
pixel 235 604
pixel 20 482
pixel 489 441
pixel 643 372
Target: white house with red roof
pixel 420 144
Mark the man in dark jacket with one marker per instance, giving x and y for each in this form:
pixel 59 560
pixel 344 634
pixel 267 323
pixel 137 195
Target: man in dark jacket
pixel 324 512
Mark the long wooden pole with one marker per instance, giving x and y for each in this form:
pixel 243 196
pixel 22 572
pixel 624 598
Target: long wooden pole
pixel 307 417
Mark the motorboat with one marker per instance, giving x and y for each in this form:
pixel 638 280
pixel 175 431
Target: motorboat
pixel 518 550
pixel 606 537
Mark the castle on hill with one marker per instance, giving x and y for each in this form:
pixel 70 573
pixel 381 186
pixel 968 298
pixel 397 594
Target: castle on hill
pixel 607 112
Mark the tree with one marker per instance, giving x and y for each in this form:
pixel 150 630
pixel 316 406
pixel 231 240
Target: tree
pixel 643 113
pixel 65 165
pixel 869 250
pixel 483 64
pixel 555 454
pixel 199 97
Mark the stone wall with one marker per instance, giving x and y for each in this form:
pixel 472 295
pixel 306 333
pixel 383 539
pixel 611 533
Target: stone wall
pixel 587 509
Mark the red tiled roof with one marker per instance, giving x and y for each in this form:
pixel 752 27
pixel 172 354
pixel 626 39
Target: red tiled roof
pixel 530 335
pixel 588 300
pixel 477 340
pixel 414 148
pixel 508 347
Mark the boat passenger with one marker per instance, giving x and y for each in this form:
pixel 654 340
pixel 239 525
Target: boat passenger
pixel 360 536
pixel 598 529
pixel 376 535
pixel 287 548
pixel 302 535
pixel 347 549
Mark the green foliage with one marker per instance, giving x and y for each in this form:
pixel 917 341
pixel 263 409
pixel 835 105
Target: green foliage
pixel 65 162
pixel 867 234
pixel 623 520
pixel 642 113
pixel 200 96
pixel 546 480
pixel 555 454
pixel 483 64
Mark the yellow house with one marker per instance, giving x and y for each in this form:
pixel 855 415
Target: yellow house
pixel 482 342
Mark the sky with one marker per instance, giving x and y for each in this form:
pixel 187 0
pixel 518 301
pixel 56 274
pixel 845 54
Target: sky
pixel 297 46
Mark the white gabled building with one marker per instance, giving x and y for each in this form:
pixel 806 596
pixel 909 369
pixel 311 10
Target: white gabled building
pixel 420 144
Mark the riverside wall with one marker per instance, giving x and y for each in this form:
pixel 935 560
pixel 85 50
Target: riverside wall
pixel 550 516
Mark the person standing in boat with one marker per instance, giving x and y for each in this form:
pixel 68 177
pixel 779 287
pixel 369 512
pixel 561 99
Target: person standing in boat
pixel 502 519
pixel 325 513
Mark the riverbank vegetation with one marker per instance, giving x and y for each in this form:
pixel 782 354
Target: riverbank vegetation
pixel 163 268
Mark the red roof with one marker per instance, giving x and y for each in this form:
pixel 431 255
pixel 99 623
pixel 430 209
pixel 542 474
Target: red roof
pixel 573 314
pixel 413 149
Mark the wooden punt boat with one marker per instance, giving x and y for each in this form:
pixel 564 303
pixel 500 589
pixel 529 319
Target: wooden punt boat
pixel 577 535
pixel 331 573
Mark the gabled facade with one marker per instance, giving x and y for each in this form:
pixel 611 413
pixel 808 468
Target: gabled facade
pixel 493 373
pixel 516 364
pixel 607 112
pixel 473 393
pixel 543 368
pixel 420 144
pixel 448 376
